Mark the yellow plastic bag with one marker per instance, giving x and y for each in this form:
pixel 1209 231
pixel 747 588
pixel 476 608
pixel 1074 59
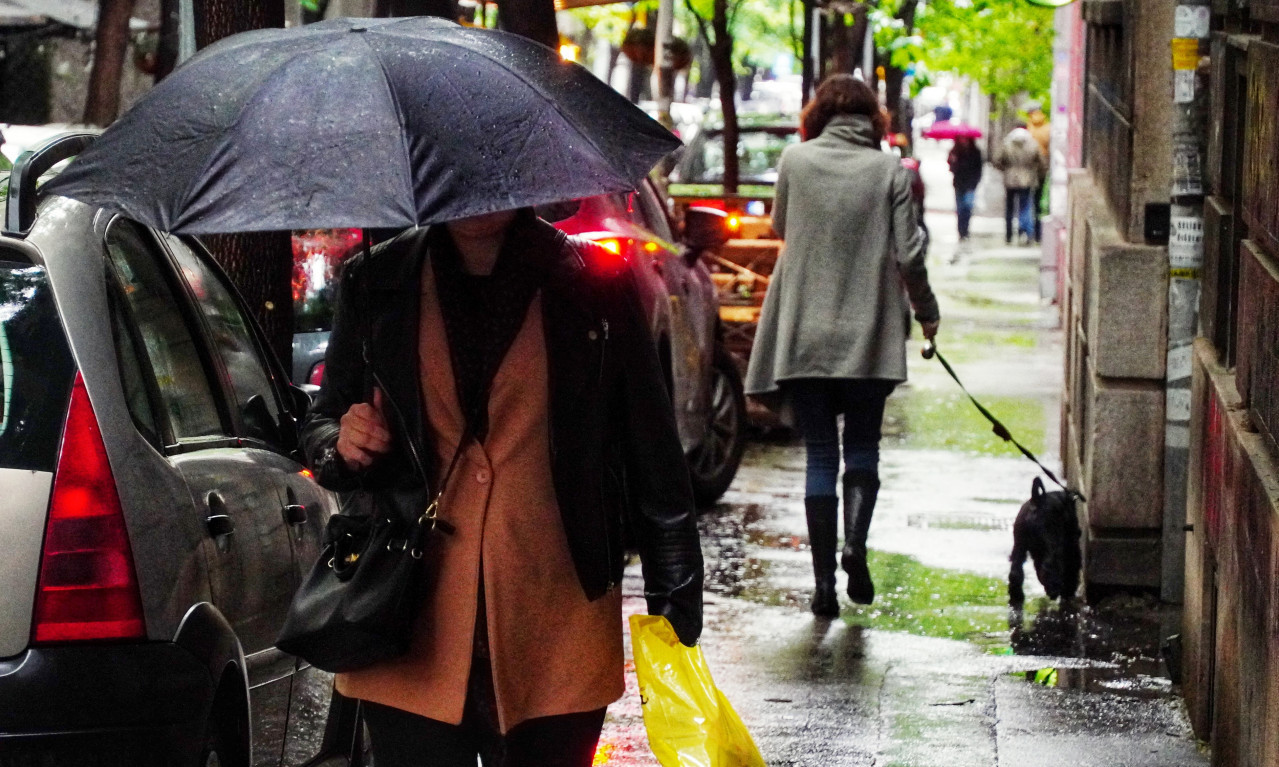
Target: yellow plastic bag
pixel 689 721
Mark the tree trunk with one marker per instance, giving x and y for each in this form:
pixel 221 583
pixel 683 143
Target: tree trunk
pixel 445 9
pixel 260 264
pixel 842 60
pixel 722 58
pixel 857 37
pixel 894 78
pixel 110 43
pixel 166 57
pixel 534 19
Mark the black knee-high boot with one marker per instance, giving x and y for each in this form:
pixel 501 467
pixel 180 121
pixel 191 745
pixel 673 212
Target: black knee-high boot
pixel 861 488
pixel 822 512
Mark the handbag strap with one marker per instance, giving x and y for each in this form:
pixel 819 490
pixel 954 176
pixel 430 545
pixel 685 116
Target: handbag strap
pixel 430 517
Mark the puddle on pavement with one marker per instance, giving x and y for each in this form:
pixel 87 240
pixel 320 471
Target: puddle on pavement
pixel 1140 677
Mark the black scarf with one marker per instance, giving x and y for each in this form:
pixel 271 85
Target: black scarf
pixel 483 314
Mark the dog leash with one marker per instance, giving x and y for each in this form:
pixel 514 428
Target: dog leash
pixel 929 351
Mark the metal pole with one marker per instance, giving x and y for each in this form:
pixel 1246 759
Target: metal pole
pixel 664 72
pixel 1190 64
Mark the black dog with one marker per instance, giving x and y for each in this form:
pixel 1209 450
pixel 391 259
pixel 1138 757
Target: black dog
pixel 1048 530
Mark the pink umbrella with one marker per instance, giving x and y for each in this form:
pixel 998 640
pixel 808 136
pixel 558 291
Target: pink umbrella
pixel 947 129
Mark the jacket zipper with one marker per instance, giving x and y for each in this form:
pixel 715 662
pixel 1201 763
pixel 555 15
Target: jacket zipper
pixel 599 389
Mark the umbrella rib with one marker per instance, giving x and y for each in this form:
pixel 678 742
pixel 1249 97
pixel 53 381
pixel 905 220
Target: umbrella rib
pixel 399 118
pixel 583 134
pixel 198 179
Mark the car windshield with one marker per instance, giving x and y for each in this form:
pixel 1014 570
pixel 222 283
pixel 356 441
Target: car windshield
pixel 758 151
pixel 36 369
pixel 318 255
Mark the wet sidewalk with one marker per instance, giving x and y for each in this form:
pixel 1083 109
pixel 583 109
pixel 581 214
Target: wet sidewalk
pixel 930 674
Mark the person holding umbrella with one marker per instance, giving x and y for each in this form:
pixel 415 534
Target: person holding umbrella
pixel 536 347
pixel 831 341
pixel 481 358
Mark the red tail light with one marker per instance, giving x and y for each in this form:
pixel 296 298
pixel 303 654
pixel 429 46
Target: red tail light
pixel 317 374
pixel 611 244
pixel 88 586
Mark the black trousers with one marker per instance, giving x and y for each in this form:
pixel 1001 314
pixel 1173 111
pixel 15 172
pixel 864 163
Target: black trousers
pixel 402 739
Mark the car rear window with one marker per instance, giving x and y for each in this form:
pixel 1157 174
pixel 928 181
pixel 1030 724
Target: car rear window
pixel 318 255
pixel 36 369
pixel 759 151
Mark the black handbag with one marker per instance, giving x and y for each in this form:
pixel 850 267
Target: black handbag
pixel 358 605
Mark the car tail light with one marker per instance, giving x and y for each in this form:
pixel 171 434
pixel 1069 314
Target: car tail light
pixel 611 244
pixel 88 587
pixel 734 224
pixel 317 374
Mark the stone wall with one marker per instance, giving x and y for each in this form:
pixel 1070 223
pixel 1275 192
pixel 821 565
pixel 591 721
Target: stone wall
pixel 1114 395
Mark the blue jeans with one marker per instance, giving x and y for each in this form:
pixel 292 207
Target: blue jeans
pixel 817 402
pixel 1019 203
pixel 964 203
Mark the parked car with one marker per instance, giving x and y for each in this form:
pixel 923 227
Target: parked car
pixel 679 299
pixel 156 517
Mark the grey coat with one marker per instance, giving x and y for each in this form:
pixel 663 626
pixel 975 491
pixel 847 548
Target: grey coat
pixel 835 306
pixel 1021 160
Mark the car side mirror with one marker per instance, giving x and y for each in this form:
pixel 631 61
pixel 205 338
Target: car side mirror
pixel 705 229
pixel 555 212
pixel 301 397
pixel 258 421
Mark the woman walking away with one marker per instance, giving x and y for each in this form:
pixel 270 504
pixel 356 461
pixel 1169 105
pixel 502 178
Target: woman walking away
pixel 965 162
pixel 831 340
pixel 518 365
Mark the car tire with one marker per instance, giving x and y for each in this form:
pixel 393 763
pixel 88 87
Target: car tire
pixel 713 463
pixel 216 752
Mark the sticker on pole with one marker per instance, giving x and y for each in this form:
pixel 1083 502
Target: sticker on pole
pixel 1192 21
pixel 1186 244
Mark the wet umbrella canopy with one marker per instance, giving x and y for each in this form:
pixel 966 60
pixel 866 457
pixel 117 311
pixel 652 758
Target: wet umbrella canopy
pixel 364 123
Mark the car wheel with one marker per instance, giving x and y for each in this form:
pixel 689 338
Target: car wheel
pixel 216 751
pixel 713 463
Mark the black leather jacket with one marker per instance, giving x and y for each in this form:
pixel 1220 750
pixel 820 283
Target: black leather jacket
pixel 616 458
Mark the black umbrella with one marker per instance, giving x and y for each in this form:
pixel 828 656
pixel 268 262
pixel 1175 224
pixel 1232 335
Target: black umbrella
pixel 364 123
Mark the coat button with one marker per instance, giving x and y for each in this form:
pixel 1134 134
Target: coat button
pixel 482 476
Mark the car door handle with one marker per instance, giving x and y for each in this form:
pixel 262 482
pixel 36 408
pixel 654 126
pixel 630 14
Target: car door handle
pixel 294 514
pixel 219 525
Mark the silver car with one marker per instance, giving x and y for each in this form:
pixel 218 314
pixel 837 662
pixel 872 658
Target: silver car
pixel 155 515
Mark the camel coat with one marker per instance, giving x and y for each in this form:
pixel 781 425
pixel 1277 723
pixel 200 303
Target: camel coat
pixel 553 651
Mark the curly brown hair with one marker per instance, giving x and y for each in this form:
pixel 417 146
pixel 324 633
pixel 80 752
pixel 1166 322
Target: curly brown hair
pixel 841 94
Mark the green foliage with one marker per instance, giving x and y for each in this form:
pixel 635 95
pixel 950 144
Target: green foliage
pixel 1004 46
pixel 761 30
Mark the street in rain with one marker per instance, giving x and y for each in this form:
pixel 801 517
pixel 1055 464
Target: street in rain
pixel 667 383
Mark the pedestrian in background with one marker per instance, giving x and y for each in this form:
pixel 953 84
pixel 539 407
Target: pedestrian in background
pixel 965 162
pixel 544 420
pixel 1023 166
pixel 831 341
pixel 1042 130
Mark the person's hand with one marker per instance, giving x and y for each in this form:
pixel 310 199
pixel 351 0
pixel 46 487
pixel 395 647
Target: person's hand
pixel 930 329
pixel 363 434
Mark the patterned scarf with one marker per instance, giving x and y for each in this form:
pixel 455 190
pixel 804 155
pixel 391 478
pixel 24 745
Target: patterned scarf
pixel 483 314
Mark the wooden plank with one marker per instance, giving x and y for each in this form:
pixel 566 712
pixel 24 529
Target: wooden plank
pixel 1260 194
